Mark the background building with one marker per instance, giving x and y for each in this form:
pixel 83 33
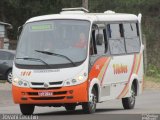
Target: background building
pixel 4 42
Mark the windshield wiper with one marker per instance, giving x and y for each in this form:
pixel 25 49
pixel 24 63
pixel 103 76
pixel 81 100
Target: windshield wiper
pixel 34 59
pixel 55 54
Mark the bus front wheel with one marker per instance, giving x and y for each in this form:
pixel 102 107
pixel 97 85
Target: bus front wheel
pixel 27 109
pixel 70 107
pixel 90 107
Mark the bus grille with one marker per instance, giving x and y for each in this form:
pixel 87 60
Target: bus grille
pixel 50 83
pixel 47 98
pixel 54 93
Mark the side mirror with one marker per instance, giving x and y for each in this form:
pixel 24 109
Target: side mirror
pixel 99 39
pixel 19 31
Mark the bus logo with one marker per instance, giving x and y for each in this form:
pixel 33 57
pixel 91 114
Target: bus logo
pixel 46 85
pixel 120 68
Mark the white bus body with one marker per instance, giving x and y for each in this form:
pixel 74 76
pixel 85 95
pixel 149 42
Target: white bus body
pixel 52 68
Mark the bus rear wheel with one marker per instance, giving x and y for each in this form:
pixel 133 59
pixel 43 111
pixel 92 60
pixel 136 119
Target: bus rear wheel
pixel 27 109
pixel 129 102
pixel 90 107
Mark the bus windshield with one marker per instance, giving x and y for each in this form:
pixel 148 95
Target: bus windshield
pixel 58 42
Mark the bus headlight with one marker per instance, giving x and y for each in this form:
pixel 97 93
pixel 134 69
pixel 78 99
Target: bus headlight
pixel 20 83
pixel 75 81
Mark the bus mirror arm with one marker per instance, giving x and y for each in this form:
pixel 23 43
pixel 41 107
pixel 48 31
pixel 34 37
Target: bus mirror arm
pixel 19 31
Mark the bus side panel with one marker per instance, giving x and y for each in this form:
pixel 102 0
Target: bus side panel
pixel 135 74
pixel 118 74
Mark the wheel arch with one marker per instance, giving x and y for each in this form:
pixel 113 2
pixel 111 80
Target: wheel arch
pixel 134 81
pixel 97 90
pixel 94 84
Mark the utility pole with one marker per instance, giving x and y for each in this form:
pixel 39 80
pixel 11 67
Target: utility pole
pixel 85 3
pixel 145 53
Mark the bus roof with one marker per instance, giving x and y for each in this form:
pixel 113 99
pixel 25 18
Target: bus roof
pixel 93 17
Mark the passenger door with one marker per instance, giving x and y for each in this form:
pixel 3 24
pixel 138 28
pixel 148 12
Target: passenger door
pixel 99 59
pixel 97 45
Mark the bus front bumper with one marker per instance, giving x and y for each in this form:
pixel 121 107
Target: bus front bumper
pixel 70 94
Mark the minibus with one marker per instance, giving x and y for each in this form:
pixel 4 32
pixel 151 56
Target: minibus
pixel 78 58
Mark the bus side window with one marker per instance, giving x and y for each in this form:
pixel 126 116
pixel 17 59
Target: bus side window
pixel 116 39
pixel 132 40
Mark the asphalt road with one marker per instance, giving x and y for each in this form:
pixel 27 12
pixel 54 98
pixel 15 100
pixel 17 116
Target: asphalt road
pixel 147 103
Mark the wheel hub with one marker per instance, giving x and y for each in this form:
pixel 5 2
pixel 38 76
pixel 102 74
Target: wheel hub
pixel 93 102
pixel 132 98
pixel 10 76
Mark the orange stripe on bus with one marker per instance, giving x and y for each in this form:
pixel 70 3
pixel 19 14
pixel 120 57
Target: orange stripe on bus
pixel 108 61
pixel 97 67
pixel 126 92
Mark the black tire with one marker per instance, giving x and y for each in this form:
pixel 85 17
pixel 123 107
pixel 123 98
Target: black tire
pixel 90 107
pixel 9 76
pixel 27 109
pixel 70 107
pixel 129 102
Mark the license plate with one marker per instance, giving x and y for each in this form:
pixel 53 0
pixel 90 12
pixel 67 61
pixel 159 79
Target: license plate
pixel 45 93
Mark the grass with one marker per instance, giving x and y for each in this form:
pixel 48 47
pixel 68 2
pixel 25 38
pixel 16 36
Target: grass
pixel 153 79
